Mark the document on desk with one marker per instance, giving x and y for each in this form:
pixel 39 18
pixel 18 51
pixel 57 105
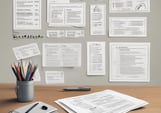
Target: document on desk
pixel 95 58
pixel 107 101
pixel 98 19
pixel 127 26
pixel 61 55
pixel 26 14
pixel 129 6
pixel 66 14
pixel 26 51
pixel 130 62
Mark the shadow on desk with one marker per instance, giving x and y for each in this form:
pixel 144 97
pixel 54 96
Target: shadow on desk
pixel 8 102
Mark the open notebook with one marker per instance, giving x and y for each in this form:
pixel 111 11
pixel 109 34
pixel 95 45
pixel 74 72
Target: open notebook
pixel 36 107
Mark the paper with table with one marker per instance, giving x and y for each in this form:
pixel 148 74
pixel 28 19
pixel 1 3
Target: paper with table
pixel 126 6
pixel 26 14
pixel 107 101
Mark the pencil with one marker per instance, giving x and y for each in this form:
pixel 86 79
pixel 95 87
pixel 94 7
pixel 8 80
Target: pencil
pixel 15 73
pixel 18 72
pixel 33 72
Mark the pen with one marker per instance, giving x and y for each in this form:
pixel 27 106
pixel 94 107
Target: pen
pixel 77 89
pixel 31 108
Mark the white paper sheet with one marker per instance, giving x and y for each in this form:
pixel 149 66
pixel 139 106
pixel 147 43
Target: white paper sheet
pixel 69 14
pixel 126 6
pixel 74 33
pixel 26 14
pixel 65 33
pixel 98 19
pixel 26 51
pixel 36 76
pixel 54 77
pixel 95 58
pixel 61 1
pixel 130 62
pixel 107 101
pixel 55 33
pixel 61 54
pixel 127 26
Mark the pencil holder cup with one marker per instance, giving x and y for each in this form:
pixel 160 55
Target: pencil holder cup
pixel 25 91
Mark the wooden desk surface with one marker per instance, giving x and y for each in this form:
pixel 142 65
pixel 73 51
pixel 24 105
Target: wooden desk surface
pixel 49 94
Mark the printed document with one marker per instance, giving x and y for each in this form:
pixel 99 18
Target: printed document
pixel 65 33
pixel 107 101
pixel 26 51
pixel 95 58
pixel 54 77
pixel 130 62
pixel 61 54
pixel 98 19
pixel 67 14
pixel 27 14
pixel 128 6
pixel 127 26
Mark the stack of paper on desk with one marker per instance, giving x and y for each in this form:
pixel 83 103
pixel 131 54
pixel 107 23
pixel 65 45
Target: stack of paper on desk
pixel 106 101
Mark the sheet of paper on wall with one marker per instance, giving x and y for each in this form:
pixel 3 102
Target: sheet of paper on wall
pixel 61 55
pixel 95 58
pixel 98 19
pixel 129 6
pixel 26 14
pixel 68 14
pixel 61 1
pixel 36 76
pixel 74 33
pixel 26 51
pixel 65 33
pixel 54 77
pixel 55 33
pixel 130 62
pixel 127 26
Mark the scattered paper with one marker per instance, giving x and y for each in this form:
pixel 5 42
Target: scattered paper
pixel 126 6
pixel 27 14
pixel 98 19
pixel 26 51
pixel 107 101
pixel 54 77
pixel 130 62
pixel 127 26
pixel 61 55
pixel 69 14
pixel 95 58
